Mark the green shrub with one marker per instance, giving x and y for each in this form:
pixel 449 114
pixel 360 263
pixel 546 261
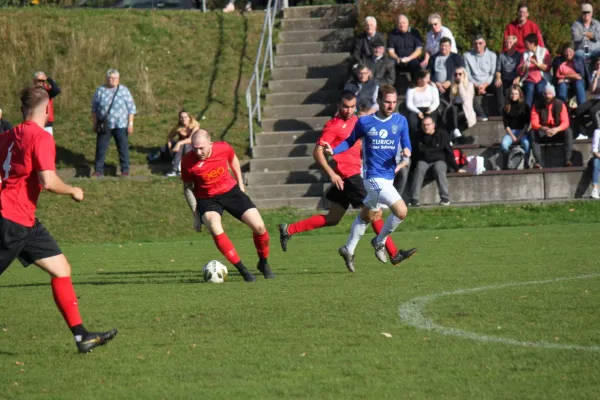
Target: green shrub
pixel 467 17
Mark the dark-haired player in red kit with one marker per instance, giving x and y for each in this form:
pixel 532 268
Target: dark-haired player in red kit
pixel 347 184
pixel 27 155
pixel 210 189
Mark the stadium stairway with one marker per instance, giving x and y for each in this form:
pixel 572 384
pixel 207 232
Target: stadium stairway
pixel 310 69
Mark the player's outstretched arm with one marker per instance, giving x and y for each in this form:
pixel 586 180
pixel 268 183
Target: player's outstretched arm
pixel 190 198
pixel 237 172
pixel 319 157
pixel 52 183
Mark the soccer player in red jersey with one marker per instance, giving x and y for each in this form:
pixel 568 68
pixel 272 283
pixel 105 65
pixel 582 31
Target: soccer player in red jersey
pixel 210 189
pixel 27 154
pixel 347 183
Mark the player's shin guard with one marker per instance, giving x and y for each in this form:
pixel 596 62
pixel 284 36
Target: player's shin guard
pixel 391 223
pixel 226 248
pixel 389 243
pixel 261 242
pixel 66 301
pixel 358 229
pixel 308 224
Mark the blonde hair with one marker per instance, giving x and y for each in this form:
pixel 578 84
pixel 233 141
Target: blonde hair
pixel 465 81
pixel 192 127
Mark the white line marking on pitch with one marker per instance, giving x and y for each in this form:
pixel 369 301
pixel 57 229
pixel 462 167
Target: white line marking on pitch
pixel 412 313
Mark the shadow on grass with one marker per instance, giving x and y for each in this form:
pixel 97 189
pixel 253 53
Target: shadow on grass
pixel 215 69
pixel 71 158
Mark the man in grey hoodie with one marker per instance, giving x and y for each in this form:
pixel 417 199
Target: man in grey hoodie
pixel 480 64
pixel 586 33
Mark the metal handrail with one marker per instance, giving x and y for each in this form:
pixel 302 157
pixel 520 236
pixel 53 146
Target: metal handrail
pixel 264 54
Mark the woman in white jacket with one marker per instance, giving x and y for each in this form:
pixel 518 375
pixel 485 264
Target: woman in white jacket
pixel 421 101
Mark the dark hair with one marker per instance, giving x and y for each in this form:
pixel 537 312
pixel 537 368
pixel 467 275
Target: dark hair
pixel 347 95
pixel 445 40
pixel 531 38
pixel 422 73
pixel 522 5
pixel 384 90
pixel 478 36
pixel 33 96
pixel 520 103
pixel 568 45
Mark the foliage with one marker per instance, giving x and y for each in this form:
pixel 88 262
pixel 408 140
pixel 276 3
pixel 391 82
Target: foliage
pixel 467 17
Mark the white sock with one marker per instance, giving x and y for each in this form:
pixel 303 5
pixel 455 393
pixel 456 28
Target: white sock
pixel 358 229
pixel 390 225
pixel 456 133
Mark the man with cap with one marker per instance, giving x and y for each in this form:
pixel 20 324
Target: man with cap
pixel 381 66
pixel 405 46
pixel 586 33
pixel 550 124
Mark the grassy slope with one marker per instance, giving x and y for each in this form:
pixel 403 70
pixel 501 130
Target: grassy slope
pixel 168 59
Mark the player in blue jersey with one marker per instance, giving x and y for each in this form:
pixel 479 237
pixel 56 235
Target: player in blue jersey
pixel 385 141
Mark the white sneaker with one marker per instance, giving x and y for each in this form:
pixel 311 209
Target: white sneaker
pixel 444 203
pixel 229 8
pixel 456 134
pixel 581 137
pixel 595 194
pixel 172 173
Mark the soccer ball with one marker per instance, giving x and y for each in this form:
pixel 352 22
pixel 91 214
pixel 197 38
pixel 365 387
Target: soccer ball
pixel 214 272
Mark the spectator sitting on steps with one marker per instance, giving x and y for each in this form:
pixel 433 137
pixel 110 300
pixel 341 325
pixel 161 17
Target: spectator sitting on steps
pixel 521 28
pixel 570 72
pixel 4 124
pixel 550 124
pixel 405 46
pixel 506 70
pixel 534 69
pixel 516 117
pixel 585 32
pixel 480 64
pixel 434 38
pixel 365 88
pixel 460 108
pixel 362 49
pixel 381 65
pixel 421 101
pixel 433 152
pixel 443 65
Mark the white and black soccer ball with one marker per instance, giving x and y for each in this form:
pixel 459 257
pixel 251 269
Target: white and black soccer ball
pixel 214 272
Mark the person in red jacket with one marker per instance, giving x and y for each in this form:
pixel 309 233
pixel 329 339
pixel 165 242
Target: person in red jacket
pixel 549 124
pixel 41 79
pixel 521 27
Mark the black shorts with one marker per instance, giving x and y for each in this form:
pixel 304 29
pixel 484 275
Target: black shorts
pixel 235 202
pixel 354 192
pixel 24 243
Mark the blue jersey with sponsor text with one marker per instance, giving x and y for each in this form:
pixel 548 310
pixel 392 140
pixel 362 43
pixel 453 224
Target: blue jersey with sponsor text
pixel 383 141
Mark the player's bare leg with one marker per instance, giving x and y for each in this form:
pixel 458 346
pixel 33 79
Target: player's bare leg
pixel 332 218
pixel 64 296
pixel 398 215
pixel 212 220
pixel 260 235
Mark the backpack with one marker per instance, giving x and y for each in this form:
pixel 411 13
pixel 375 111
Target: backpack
pixel 460 158
pixel 515 158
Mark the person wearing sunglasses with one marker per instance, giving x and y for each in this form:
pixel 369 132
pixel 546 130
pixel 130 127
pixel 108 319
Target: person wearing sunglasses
pixel 585 33
pixel 434 38
pixel 460 108
pixel 41 79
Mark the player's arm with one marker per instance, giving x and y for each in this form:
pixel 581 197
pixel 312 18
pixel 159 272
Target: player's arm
pixel 319 157
pixel 356 134
pixel 52 183
pixel 190 198
pixel 237 172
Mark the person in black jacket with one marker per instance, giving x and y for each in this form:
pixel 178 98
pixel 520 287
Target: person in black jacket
pixel 443 65
pixel 516 116
pixel 365 88
pixel 433 151
pixel 381 65
pixel 4 125
pixel 362 49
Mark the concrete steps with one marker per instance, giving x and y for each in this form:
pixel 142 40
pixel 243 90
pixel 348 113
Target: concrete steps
pixel 304 72
pixel 294 124
pixel 285 191
pixel 314 47
pixel 310 60
pixel 284 177
pixel 290 137
pixel 310 110
pixel 319 97
pixel 308 203
pixel 331 11
pixel 283 164
pixel 307 24
pixel 304 85
pixel 316 35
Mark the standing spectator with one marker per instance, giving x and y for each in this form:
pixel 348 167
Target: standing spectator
pixel 516 117
pixel 596 163
pixel 521 28
pixel 4 124
pixel 421 101
pixel 113 111
pixel 480 64
pixel 571 72
pixel 434 37
pixel 506 70
pixel 381 66
pixel 41 79
pixel 443 65
pixel 534 69
pixel 231 6
pixel 585 32
pixel 365 88
pixel 433 152
pixel 405 46
pixel 362 49
pixel 550 123
pixel 460 108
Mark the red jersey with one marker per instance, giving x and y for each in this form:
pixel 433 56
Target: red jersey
pixel 210 176
pixel 335 131
pixel 520 32
pixel 24 150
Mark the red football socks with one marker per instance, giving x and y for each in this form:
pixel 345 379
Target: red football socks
pixel 389 243
pixel 261 242
pixel 314 222
pixel 226 248
pixel 66 300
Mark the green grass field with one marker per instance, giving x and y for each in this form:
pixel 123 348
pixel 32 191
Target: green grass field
pixel 316 331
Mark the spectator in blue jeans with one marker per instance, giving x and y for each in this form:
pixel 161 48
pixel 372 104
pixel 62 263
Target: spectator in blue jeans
pixel 570 72
pixel 516 117
pixel 596 164
pixel 113 111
